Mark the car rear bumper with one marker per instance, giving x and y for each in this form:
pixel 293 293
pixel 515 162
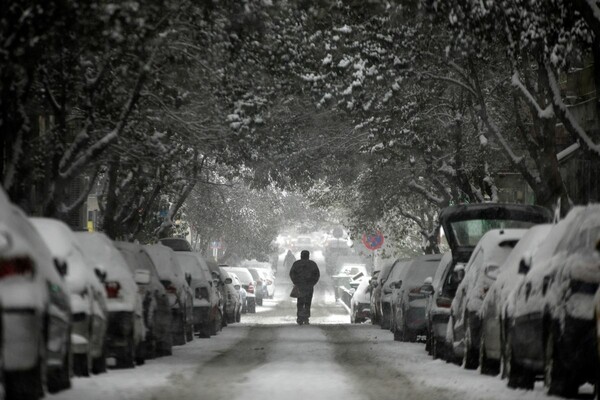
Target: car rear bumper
pixel 201 316
pixel 415 319
pixel 22 338
pixel 120 330
pixel 578 350
pixel 439 325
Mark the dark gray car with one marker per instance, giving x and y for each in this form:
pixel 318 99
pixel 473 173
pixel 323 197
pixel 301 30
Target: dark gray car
pixel 409 298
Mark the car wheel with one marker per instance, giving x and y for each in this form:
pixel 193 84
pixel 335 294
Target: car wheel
pixel 518 378
pixel 488 367
pixel 140 353
pixel 25 385
pixel 398 336
pixel 82 364
pixel 179 333
pixel 385 319
pixel 428 343
pixel 470 356
pixel 217 324
pixel 556 377
pixel 437 348
pixel 127 358
pixel 251 307
pixel 238 316
pixel 189 333
pixel 59 378
pixel 99 363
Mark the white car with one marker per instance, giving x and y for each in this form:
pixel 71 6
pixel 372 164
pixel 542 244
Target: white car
pixel 480 273
pixel 237 284
pixel 87 295
pixel 178 289
pixel 360 303
pixel 126 330
pixel 206 304
pixel 35 303
pixel 248 284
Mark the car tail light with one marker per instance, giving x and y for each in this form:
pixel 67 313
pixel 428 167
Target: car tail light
pixel 202 293
pixel 250 288
pixel 483 291
pixel 22 266
pixel 171 289
pixel 112 289
pixel 443 302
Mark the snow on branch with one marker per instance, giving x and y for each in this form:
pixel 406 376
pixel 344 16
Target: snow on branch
pixel 425 192
pixel 452 81
pixel 546 113
pixel 97 148
pixel 565 114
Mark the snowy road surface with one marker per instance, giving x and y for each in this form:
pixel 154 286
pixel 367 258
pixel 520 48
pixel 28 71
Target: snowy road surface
pixel 269 357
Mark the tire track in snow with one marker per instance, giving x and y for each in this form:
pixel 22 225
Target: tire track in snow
pixel 375 378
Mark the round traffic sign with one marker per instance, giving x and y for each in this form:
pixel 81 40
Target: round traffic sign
pixel 373 241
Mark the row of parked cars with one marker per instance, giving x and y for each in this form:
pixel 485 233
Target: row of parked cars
pixel 75 303
pixel 516 295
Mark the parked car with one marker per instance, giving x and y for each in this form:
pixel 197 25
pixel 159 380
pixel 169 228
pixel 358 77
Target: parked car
pixel 492 316
pixel 237 284
pixel 552 316
pixel 233 301
pixel 387 292
pixel 341 280
pixel 480 273
pixel 179 292
pixel 437 309
pixel 126 330
pixel 360 302
pixel 463 226
pixel 36 314
pixel 157 310
pixel 206 304
pixel 261 291
pixel 376 284
pixel 410 289
pixel 248 285
pixel 597 332
pixel 86 293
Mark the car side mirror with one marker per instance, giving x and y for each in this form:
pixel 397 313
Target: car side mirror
pixel 228 281
pixel 188 279
pixel 397 284
pixel 523 267
pixel 427 289
pixel 142 277
pixel 61 267
pixel 100 274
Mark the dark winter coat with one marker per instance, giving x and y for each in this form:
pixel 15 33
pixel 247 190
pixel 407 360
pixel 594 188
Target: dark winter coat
pixel 305 274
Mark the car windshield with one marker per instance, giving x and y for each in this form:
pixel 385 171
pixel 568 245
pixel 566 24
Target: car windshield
pixel 469 232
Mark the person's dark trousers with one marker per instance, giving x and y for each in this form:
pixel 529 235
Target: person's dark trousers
pixel 304 302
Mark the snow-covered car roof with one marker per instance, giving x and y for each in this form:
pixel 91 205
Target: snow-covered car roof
pixel 497 243
pixel 63 245
pixel 166 263
pixel 100 248
pixel 509 270
pixel 242 273
pixel 191 264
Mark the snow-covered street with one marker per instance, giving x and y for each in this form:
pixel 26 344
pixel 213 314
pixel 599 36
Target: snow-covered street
pixel 271 357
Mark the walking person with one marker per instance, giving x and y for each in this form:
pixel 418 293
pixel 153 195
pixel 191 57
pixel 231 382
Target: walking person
pixel 304 275
pixel 288 261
